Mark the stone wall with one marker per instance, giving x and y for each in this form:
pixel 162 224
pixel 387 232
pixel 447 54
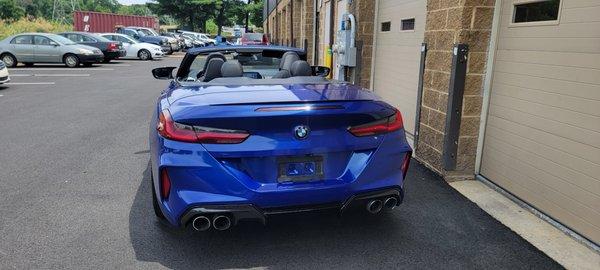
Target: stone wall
pixel 291 23
pixel 364 11
pixel 450 22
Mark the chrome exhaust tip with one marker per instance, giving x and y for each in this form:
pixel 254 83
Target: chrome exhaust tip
pixel 374 206
pixel 221 222
pixel 390 203
pixel 201 223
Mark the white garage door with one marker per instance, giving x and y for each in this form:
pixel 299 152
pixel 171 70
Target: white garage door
pixel 400 31
pixel 542 138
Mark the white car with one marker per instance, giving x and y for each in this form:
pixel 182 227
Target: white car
pixel 200 36
pixel 135 49
pixel 4 78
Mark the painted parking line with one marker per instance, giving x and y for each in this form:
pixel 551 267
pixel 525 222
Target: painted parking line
pixel 30 83
pixel 61 69
pixel 50 75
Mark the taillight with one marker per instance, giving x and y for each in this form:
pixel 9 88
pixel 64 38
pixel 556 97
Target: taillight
pixel 113 47
pixel 186 133
pixel 165 184
pixel 381 126
pixel 405 163
pixel 265 40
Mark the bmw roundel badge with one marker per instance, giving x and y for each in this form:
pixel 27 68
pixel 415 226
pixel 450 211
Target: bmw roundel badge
pixel 301 132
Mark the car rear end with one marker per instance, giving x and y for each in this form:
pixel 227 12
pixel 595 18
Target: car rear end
pixel 254 39
pixel 250 154
pixel 4 76
pixel 113 50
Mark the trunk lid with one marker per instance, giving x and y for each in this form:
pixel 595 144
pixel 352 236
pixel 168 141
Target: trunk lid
pixel 271 114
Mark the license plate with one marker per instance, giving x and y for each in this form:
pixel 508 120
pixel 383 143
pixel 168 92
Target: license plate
pixel 300 169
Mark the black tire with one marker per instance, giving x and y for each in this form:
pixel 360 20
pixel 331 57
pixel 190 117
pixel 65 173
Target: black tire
pixel 28 64
pixel 71 60
pixel 159 214
pixel 144 55
pixel 9 59
pixel 106 61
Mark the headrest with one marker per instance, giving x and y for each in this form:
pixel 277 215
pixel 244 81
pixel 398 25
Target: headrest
pixel 215 55
pixel 283 58
pixel 232 69
pixel 290 58
pixel 301 68
pixel 213 69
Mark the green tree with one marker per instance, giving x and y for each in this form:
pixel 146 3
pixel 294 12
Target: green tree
pixel 10 10
pixel 192 13
pixel 229 12
pixel 254 13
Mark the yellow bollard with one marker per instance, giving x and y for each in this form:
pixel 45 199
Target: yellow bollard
pixel 329 61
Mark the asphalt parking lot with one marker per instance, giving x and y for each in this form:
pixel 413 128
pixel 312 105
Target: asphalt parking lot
pixel 74 181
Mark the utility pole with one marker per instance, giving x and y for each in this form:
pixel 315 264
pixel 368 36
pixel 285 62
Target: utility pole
pixel 62 10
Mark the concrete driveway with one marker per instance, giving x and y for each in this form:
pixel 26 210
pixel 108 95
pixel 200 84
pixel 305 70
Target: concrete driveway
pixel 75 189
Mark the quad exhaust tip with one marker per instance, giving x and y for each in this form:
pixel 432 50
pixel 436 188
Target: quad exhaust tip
pixel 390 203
pixel 201 223
pixel 221 222
pixel 374 206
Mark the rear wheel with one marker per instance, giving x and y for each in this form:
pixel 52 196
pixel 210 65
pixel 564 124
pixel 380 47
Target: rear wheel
pixel 159 214
pixel 144 55
pixel 71 60
pixel 9 60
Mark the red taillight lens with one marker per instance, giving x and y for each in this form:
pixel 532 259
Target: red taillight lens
pixel 165 184
pixel 385 125
pixel 180 132
pixel 265 40
pixel 113 47
pixel 405 164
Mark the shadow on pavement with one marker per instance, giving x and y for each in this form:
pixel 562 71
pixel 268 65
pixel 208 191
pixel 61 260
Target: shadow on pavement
pixel 436 227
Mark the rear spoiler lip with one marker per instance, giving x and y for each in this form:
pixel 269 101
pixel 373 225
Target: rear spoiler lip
pixel 295 102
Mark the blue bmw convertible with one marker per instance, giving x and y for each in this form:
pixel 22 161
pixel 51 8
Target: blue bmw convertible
pixel 245 132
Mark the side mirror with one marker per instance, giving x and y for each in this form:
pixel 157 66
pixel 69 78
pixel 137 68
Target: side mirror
pixel 163 73
pixel 321 71
pixel 53 43
pixel 136 36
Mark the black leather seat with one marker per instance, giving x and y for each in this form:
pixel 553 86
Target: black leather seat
pixel 285 65
pixel 300 68
pixel 215 55
pixel 213 69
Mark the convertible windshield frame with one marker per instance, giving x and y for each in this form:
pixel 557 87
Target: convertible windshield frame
pixel 275 51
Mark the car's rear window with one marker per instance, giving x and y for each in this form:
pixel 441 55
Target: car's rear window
pixel 266 66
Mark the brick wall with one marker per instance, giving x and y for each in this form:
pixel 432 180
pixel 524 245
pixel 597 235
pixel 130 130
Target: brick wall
pixel 450 22
pixel 364 12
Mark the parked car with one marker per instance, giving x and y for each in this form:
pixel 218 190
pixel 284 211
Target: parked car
pixel 173 42
pixel 200 36
pixel 111 49
pixel 327 144
pixel 194 40
pixel 163 42
pixel 136 50
pixel 178 37
pixel 255 39
pixel 30 48
pixel 4 77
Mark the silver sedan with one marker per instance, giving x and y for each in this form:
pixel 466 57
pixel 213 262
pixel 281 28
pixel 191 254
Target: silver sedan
pixel 30 48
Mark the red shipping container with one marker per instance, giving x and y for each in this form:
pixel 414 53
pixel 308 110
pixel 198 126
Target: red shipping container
pixel 97 22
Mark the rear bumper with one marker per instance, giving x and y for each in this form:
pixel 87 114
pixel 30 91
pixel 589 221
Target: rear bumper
pixel 114 55
pixel 252 212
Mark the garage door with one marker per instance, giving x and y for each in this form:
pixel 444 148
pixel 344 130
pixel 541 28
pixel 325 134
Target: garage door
pixel 400 31
pixel 542 138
